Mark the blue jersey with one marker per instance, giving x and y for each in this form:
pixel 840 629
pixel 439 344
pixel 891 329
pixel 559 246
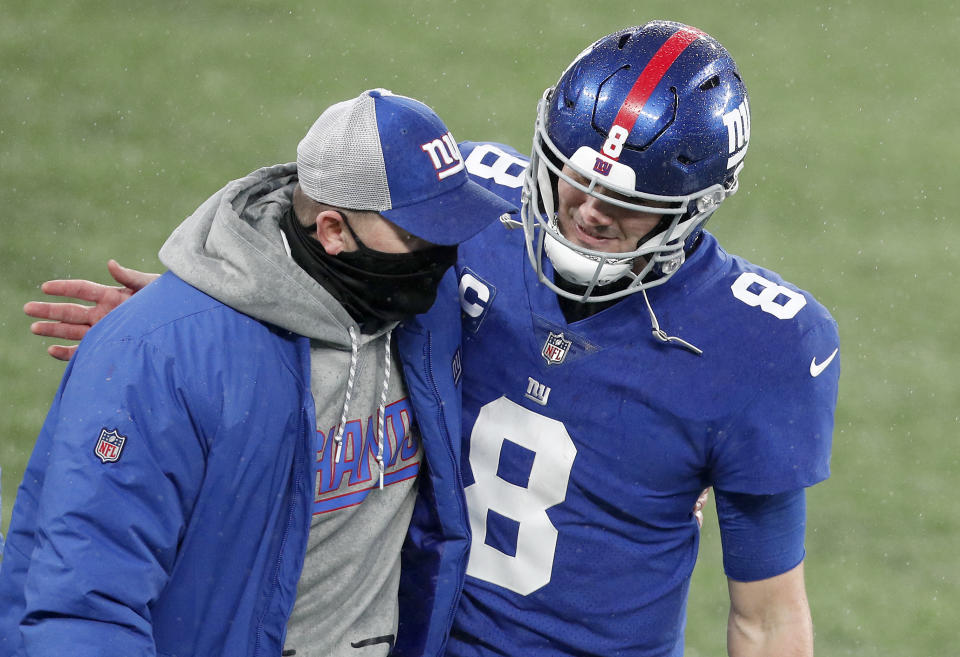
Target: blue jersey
pixel 586 444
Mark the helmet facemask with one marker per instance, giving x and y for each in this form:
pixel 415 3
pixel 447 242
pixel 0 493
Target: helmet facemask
pixel 657 256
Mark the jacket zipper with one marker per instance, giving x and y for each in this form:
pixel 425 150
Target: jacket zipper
pixel 297 480
pixel 459 488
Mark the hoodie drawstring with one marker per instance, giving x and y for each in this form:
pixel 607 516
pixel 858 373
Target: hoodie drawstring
pixel 354 355
pixel 381 407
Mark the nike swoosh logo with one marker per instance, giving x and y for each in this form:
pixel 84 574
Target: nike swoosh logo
pixel 817 368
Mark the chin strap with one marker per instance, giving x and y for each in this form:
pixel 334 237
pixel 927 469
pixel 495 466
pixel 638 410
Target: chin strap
pixel 509 222
pixel 661 335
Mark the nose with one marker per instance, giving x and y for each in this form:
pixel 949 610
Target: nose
pixel 595 212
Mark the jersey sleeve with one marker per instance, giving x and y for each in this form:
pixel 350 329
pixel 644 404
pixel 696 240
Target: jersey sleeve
pixel 125 461
pixel 780 439
pixel 762 535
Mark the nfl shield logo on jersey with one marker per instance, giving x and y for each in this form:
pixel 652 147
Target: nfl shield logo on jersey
pixel 555 349
pixel 109 445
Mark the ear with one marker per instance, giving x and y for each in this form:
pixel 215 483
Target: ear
pixel 333 234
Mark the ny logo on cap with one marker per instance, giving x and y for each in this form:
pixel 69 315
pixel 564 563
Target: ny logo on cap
pixel 445 155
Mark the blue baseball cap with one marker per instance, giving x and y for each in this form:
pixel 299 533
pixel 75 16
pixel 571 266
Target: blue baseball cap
pixel 393 155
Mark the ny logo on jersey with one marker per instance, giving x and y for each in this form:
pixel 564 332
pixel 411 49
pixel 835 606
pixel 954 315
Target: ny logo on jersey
pixel 537 392
pixel 555 348
pixel 737 121
pixel 445 155
pixel 109 446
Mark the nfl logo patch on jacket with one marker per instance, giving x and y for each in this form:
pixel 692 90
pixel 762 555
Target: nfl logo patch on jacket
pixel 109 446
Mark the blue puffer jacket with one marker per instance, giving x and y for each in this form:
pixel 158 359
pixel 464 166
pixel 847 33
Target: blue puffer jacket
pixel 207 521
pixel 438 543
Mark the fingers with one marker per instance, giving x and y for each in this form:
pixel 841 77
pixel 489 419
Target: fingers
pixel 78 289
pixel 59 330
pixel 71 321
pixel 71 313
pixel 130 278
pixel 698 506
pixel 702 500
pixel 61 352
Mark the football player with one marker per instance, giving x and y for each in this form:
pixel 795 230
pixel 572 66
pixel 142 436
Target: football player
pixel 633 364
pixel 616 361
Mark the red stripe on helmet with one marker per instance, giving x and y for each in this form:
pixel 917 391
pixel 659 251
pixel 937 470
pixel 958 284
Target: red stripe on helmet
pixel 652 73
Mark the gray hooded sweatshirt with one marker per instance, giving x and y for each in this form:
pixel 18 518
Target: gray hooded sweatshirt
pixel 232 249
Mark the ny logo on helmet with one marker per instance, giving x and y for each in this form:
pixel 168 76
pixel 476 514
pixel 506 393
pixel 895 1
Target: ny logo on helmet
pixel 445 155
pixel 602 167
pixel 737 121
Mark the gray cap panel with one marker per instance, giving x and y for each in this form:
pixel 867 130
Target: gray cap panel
pixel 340 161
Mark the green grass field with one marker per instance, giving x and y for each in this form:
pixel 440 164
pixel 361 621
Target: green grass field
pixel 118 118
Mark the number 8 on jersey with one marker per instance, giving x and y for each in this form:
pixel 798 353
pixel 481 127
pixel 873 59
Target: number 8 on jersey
pixel 498 422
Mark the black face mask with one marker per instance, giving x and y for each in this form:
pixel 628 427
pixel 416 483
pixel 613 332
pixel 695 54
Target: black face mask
pixel 373 286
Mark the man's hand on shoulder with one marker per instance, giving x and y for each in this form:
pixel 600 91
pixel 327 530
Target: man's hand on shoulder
pixel 71 321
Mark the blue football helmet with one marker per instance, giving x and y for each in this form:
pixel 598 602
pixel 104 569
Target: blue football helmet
pixel 653 118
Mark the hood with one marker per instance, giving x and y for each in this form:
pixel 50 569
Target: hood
pixel 231 248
